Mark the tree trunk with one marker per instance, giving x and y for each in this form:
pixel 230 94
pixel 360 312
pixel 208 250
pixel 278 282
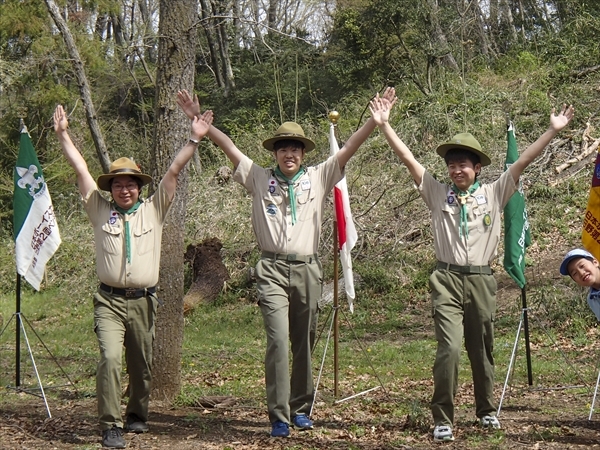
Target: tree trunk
pixel 176 57
pixel 438 38
pixel 224 52
pixel 82 82
pixel 208 27
pixel 510 23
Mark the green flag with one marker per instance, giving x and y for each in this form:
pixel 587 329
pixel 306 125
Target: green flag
pixel 34 223
pixel 516 225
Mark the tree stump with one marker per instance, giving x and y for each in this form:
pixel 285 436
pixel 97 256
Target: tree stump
pixel 209 272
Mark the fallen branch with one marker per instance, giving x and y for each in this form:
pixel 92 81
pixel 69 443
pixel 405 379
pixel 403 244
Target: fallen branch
pixel 591 149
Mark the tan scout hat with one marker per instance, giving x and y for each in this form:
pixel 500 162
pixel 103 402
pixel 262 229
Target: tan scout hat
pixel 122 166
pixel 464 141
pixel 289 130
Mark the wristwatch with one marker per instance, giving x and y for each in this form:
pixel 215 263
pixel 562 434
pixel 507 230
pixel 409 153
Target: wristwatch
pixel 194 141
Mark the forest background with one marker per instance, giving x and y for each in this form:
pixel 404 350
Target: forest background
pixel 456 66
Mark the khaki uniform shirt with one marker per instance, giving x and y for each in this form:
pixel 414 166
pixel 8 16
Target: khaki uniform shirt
pixel 271 213
pixel 484 205
pixel 145 226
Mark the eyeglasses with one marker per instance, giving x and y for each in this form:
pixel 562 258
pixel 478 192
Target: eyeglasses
pixel 129 186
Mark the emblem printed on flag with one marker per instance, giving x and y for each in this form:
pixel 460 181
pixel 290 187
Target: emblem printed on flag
pixel 35 230
pixel 347 236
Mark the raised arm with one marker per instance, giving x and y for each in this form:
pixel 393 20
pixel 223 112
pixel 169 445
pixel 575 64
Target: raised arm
pixel 85 182
pixel 200 126
pixel 191 107
pixel 557 123
pixel 380 113
pixel 361 135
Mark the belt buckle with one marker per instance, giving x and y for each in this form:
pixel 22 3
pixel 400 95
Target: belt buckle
pixel 291 257
pixel 130 292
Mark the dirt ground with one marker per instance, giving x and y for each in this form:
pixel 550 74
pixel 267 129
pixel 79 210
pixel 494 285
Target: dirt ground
pixel 542 419
pixel 531 419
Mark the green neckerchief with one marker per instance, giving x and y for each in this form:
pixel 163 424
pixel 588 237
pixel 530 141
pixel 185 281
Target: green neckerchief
pixel 127 239
pixel 462 198
pixel 290 182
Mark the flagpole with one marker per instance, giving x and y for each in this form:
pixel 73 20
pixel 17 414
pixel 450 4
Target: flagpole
pixel 18 334
pixel 526 329
pixel 336 325
pixel 333 118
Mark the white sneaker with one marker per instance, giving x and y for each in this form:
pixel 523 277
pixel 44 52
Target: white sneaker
pixel 490 422
pixel 442 433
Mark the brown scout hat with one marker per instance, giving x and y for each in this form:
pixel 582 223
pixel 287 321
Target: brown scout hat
pixel 289 130
pixel 464 141
pixel 122 166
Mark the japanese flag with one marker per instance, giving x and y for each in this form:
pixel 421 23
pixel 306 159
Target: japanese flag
pixel 347 236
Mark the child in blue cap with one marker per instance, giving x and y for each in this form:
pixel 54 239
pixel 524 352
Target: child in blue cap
pixel 584 269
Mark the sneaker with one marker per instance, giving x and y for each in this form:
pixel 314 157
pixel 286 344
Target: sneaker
pixel 442 433
pixel 280 429
pixel 488 421
pixel 135 425
pixel 302 422
pixel 113 438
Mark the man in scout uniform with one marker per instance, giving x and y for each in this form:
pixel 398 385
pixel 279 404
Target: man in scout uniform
pixel 465 218
pixel 127 234
pixel 287 209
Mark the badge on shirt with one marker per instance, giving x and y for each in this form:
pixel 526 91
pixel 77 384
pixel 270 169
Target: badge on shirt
pixel 487 220
pixel 271 209
pixel 451 197
pixel 305 185
pixel 272 184
pixel 113 217
pixel 480 199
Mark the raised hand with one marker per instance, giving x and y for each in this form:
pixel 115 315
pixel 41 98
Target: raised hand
pixel 380 109
pixel 188 104
pixel 558 122
pixel 60 119
pixel 389 94
pixel 201 125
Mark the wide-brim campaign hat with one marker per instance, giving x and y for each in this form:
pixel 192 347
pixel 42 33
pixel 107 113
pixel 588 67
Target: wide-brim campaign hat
pixel 571 255
pixel 289 130
pixel 122 166
pixel 464 141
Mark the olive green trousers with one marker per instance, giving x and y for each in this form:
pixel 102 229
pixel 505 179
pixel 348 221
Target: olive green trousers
pixel 463 305
pixel 289 292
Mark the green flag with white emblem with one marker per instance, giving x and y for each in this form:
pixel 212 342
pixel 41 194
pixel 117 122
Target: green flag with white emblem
pixel 516 225
pixel 34 223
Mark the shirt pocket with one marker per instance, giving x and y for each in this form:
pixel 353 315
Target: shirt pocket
pixel 112 239
pixel 143 239
pixel 271 206
pixel 478 217
pixel 305 204
pixel 450 212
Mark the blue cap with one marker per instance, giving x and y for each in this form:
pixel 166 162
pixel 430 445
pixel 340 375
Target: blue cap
pixel 575 253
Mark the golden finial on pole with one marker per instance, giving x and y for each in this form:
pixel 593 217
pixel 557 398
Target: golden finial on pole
pixel 334 116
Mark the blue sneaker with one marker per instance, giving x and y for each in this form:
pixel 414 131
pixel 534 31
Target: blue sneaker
pixel 302 422
pixel 280 429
